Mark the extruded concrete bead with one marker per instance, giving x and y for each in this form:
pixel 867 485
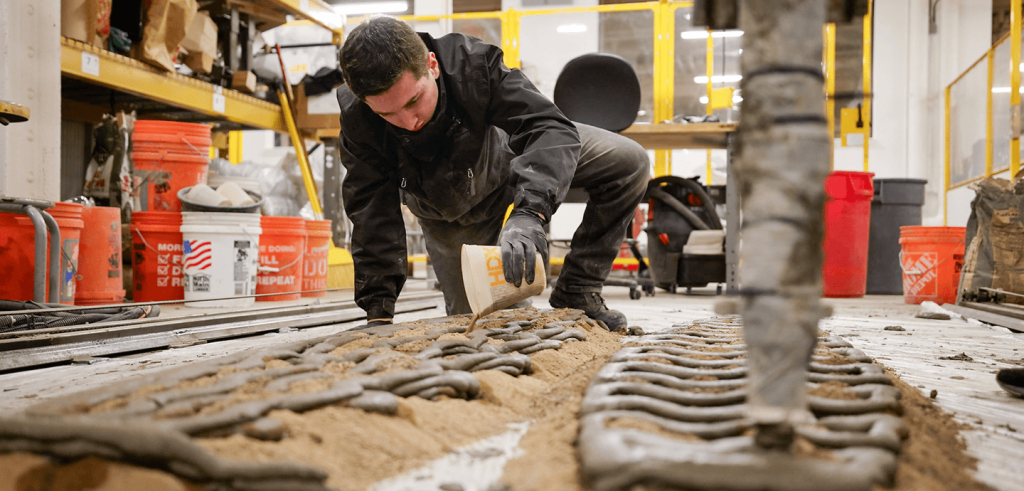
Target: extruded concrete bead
pixel 547 332
pixel 464 362
pixel 518 344
pixel 431 393
pixel 358 356
pixel 594 403
pixel 570 335
pixel 390 381
pixel 267 429
pixel 462 382
pixel 375 401
pixel 549 344
pixel 282 384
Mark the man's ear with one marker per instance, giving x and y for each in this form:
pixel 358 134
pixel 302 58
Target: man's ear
pixel 433 66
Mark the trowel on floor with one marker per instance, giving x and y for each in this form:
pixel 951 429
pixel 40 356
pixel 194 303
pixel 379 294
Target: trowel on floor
pixel 1011 380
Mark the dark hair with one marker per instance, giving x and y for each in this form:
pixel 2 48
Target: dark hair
pixel 377 52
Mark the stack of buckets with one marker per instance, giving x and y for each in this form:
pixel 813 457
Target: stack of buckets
pixel 211 259
pixel 930 257
pixel 90 265
pixel 168 156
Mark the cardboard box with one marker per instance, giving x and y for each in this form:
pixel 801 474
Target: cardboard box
pixel 320 112
pixel 201 43
pixel 85 20
pixel 200 62
pixel 244 82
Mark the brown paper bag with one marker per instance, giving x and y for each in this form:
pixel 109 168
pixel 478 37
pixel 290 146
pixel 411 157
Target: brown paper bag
pixel 167 22
pixel 86 20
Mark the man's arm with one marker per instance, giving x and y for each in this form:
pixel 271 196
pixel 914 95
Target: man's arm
pixel 546 143
pixel 373 204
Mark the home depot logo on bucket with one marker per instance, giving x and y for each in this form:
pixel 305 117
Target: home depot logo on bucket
pixel 920 275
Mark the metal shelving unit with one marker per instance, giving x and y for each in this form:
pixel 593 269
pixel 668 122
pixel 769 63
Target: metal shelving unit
pixel 156 91
pixel 97 81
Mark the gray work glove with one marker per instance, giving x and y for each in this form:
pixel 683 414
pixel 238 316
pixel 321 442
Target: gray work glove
pixel 521 239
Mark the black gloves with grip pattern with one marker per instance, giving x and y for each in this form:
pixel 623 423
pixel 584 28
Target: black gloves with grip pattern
pixel 521 239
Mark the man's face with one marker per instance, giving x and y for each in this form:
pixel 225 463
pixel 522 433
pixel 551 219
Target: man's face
pixel 410 103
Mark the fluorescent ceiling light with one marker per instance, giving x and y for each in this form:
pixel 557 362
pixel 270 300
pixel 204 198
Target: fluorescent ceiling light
pixel 1005 90
pixel 714 34
pixel 352 9
pixel 571 28
pixel 718 79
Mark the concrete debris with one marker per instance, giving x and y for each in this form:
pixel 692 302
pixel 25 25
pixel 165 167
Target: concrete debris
pixel 894 328
pixel 670 411
pixel 939 316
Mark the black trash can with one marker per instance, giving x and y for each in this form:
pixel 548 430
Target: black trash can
pixel 897 203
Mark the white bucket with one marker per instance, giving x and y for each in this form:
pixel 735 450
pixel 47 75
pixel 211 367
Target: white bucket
pixel 220 258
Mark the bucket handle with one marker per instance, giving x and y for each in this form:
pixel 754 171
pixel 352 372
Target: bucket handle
pixel 916 271
pixel 191 146
pixel 139 232
pixel 269 269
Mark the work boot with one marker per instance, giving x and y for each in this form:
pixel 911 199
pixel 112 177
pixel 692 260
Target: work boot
pixel 591 304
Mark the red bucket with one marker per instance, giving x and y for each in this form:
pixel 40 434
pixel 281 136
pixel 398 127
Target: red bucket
pixel 156 256
pixel 282 247
pixel 160 175
pixel 100 257
pixel 931 259
pixel 847 227
pixel 314 262
pixel 17 253
pixel 186 138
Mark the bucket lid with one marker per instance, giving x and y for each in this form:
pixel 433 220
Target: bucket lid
pixel 219 219
pixel 66 210
pixel 923 231
pixel 189 156
pixel 283 223
pixel 156 126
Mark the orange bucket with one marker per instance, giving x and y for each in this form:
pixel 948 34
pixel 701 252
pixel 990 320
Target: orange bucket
pixel 160 175
pixel 187 138
pixel 17 253
pixel 282 247
pixel 100 254
pixel 156 256
pixel 314 262
pixel 931 259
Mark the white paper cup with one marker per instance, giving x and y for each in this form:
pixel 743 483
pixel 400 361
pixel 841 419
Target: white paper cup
pixel 484 278
pixel 205 195
pixel 232 191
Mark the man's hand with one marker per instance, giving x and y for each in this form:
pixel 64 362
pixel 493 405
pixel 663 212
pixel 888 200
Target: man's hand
pixel 521 239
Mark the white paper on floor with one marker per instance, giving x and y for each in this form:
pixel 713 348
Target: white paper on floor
pixel 474 467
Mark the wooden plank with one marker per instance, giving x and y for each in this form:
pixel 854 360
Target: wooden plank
pixel 681 135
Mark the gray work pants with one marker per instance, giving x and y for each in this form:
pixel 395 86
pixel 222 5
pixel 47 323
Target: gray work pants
pixel 614 171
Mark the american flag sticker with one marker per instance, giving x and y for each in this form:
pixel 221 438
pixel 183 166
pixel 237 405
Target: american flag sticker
pixel 198 255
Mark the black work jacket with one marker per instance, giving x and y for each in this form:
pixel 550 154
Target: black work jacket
pixel 494 139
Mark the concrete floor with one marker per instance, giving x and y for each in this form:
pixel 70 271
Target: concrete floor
pixel 965 388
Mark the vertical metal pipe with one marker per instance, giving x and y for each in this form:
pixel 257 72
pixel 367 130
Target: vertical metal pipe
pixel 55 256
pixel 783 156
pixel 39 290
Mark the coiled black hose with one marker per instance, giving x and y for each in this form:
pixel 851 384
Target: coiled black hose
pixel 27 321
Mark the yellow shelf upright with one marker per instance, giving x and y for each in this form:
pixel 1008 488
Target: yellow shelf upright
pixel 510 37
pixel 1015 116
pixel 869 21
pixel 664 77
pixel 710 61
pixel 830 88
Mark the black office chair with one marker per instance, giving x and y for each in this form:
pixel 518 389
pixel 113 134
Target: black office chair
pixel 602 90
pixel 599 89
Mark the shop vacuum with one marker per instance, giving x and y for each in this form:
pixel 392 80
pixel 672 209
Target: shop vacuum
pixel 685 238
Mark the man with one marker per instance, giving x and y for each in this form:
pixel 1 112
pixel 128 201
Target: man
pixel 443 126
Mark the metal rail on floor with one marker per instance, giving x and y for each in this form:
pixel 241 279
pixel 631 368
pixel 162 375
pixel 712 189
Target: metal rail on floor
pixel 25 349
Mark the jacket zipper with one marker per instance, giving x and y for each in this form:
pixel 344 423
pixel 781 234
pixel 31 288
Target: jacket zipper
pixel 472 189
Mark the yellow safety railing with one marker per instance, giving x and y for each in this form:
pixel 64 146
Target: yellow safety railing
pixel 982 115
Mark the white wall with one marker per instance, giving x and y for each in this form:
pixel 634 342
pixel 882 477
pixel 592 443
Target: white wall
pixel 30 76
